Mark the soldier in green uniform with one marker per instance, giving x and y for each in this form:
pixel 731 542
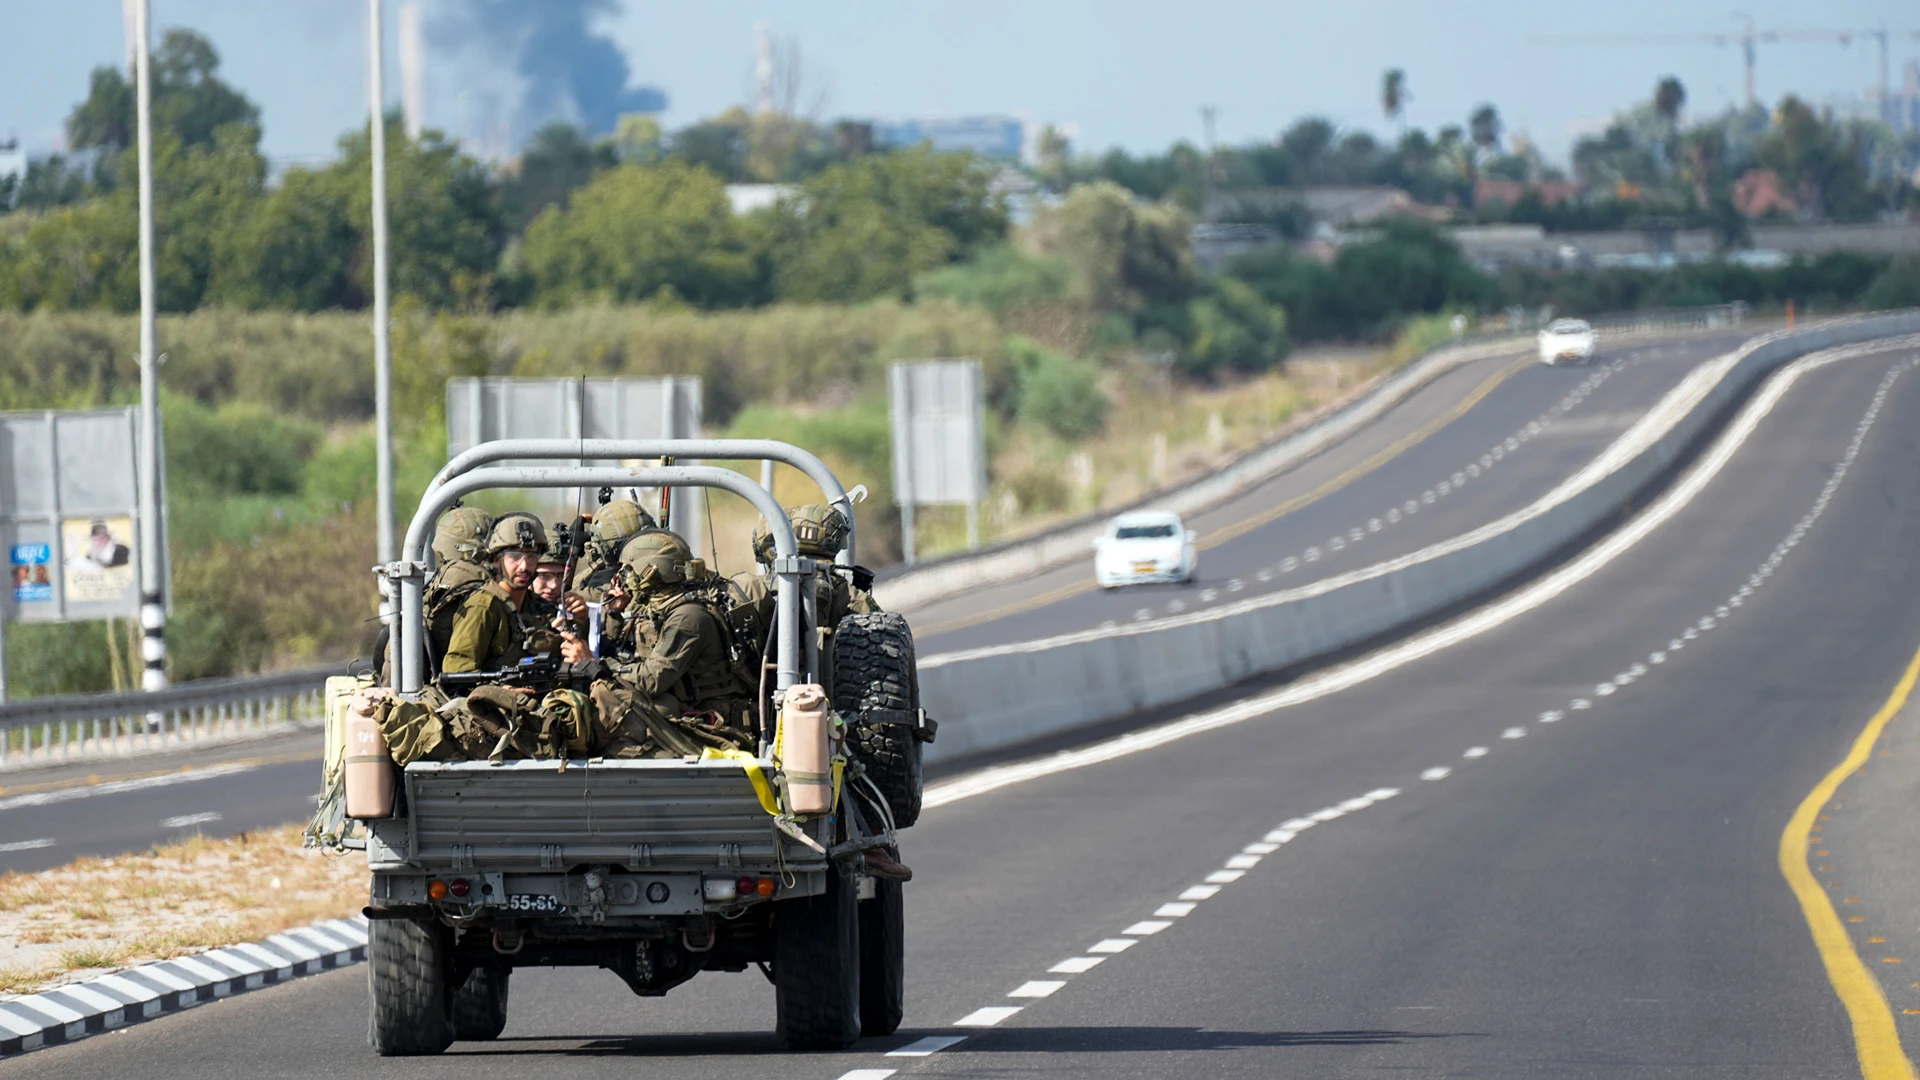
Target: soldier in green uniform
pixel 497 625
pixel 819 532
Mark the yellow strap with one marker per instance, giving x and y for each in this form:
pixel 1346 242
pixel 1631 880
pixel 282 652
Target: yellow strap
pixel 751 766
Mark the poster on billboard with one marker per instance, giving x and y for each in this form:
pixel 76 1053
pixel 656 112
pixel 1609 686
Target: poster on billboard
pixel 98 559
pixel 32 575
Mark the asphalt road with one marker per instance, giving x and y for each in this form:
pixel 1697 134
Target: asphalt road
pixel 1427 470
pixel 1549 849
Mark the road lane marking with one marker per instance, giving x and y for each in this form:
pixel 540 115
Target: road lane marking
pixel 988 1016
pixel 868 1074
pixel 28 845
pixel 1178 909
pixel 1077 965
pixel 1037 988
pixel 1111 945
pixel 928 1046
pixel 187 821
pixel 1438 772
pixel 1146 928
pixel 143 783
pixel 1876 1040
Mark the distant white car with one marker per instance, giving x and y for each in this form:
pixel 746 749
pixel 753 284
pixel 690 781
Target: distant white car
pixel 1566 339
pixel 1141 547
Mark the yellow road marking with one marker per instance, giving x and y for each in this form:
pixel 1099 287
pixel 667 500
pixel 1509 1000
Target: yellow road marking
pixel 1875 1039
pixel 94 780
pixel 1240 528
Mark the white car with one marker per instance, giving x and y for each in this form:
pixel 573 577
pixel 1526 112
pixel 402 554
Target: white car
pixel 1566 339
pixel 1144 546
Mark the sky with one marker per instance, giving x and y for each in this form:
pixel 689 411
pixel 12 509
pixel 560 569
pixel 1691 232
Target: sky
pixel 1128 73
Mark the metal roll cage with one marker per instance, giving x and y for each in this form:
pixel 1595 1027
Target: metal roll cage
pixel 627 449
pixel 406 577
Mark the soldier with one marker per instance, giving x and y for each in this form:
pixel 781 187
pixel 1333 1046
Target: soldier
pixel 495 626
pixel 819 532
pixel 458 540
pixel 613 525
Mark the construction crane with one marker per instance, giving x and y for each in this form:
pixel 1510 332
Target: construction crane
pixel 1748 39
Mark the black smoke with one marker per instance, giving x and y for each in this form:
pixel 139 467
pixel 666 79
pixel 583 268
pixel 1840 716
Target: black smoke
pixel 573 72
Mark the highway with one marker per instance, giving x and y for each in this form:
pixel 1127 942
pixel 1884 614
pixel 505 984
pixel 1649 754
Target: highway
pixel 1543 839
pixel 1476 443
pixel 1394 486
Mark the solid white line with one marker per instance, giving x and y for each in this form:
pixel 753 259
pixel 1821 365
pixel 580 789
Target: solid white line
pixel 928 1046
pixel 1077 965
pixel 185 821
pixel 1111 945
pixel 986 1017
pixel 28 845
pixel 1146 927
pixel 115 787
pixel 1037 988
pixel 1470 625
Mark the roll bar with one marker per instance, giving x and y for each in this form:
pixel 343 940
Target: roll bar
pixel 623 449
pixel 407 576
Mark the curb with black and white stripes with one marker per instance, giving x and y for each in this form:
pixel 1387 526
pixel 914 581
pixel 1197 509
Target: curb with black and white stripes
pixel 68 1013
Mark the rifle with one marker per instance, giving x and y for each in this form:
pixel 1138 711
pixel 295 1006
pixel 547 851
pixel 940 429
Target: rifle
pixel 540 673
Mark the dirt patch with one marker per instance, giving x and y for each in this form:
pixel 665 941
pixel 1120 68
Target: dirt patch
pixel 98 914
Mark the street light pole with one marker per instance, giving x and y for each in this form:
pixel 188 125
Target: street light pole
pixel 382 356
pixel 153 606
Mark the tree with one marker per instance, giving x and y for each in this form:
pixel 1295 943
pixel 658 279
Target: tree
pixel 1122 257
pixel 867 227
pixel 1820 160
pixel 1668 98
pixel 1305 144
pixel 1485 127
pixel 559 160
pixel 189 99
pixel 643 233
pixel 1394 96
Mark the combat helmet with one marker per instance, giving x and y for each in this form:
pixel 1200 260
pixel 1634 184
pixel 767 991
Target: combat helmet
pixel 657 557
pixel 461 534
pixel 616 522
pixel 819 531
pixel 516 530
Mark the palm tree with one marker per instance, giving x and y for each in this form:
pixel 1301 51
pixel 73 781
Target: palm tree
pixel 1485 127
pixel 1668 97
pixel 1394 96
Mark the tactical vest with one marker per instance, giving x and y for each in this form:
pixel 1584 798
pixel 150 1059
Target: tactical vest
pixel 717 676
pixel 446 594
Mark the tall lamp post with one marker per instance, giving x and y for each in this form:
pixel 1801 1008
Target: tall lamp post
pixel 153 606
pixel 382 356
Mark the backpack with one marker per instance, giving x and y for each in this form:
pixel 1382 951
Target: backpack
pixel 446 594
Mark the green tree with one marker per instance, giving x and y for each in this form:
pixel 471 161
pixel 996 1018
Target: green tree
pixel 1122 257
pixel 189 99
pixel 559 161
pixel 1393 94
pixel 1230 328
pixel 865 228
pixel 641 233
pixel 1056 391
pixel 1819 159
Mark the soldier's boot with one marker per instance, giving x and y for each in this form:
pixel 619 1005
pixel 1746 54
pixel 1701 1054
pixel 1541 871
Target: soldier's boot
pixel 882 863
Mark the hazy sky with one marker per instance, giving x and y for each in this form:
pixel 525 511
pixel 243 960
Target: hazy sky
pixel 1125 72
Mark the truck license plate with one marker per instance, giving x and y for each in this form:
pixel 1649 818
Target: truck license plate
pixel 532 902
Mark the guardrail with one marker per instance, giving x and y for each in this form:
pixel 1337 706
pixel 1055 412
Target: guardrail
pixel 1670 320
pixel 74 727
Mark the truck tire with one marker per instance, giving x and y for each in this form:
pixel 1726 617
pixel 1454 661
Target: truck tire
pixel 412 1010
pixel 874 669
pixel 816 966
pixel 480 1006
pixel 883 969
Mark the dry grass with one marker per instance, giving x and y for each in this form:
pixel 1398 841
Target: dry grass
pixel 196 894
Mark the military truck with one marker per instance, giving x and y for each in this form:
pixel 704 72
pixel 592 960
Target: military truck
pixel 654 870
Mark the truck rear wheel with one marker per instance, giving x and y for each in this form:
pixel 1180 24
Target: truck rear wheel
pixel 480 1006
pixel 407 974
pixel 816 966
pixel 874 671
pixel 883 969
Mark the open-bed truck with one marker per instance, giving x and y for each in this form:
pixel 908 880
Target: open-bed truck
pixel 655 870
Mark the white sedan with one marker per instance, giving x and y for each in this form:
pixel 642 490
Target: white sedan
pixel 1144 546
pixel 1566 339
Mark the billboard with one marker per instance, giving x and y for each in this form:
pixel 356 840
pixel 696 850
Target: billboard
pixel 939 432
pixel 68 515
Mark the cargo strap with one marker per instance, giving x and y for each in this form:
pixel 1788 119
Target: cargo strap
pixel 751 766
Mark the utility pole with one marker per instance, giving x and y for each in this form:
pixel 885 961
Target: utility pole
pixel 382 356
pixel 1207 114
pixel 153 510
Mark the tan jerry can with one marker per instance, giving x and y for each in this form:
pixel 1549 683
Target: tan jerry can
pixel 339 698
pixel 806 749
pixel 369 769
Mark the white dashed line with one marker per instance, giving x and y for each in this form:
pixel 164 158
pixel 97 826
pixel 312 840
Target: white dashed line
pixel 1111 945
pixel 187 821
pixel 1438 772
pixel 1077 965
pixel 1475 752
pixel 1037 988
pixel 1200 892
pixel 1514 733
pixel 930 1045
pixel 1146 928
pixel 1178 910
pixel 986 1017
pixel 28 845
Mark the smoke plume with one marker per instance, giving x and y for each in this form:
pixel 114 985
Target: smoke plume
pixel 567 69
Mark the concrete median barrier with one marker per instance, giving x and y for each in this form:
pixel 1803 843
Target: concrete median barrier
pixel 1001 696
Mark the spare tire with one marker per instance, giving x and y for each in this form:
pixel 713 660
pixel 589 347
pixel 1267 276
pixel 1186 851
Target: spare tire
pixel 876 687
